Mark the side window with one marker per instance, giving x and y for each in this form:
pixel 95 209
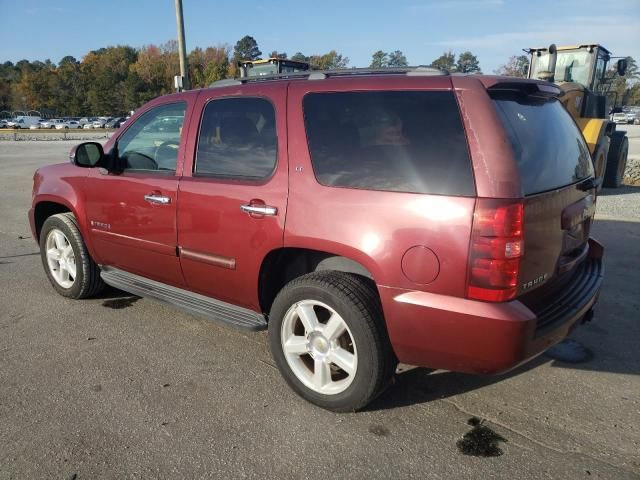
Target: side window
pixel 237 139
pixel 151 143
pixel 402 141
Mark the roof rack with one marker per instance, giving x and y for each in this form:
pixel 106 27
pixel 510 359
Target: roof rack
pixel 420 71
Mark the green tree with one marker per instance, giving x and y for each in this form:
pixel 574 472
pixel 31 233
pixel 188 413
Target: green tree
pixel 68 60
pixel 246 49
pixel 446 61
pixel 625 89
pixel 276 54
pixel 300 57
pixel 515 67
pixel 379 59
pixel 468 63
pixel 397 59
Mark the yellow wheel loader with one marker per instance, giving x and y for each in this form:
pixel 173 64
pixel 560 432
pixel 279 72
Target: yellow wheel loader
pixel 581 72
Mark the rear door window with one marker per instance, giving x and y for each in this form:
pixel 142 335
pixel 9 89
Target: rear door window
pixel 237 139
pixel 549 149
pixel 404 141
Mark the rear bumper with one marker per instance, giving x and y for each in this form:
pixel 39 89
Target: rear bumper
pixel 464 335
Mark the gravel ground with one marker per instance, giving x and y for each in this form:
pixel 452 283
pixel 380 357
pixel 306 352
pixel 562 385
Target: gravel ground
pixel 624 202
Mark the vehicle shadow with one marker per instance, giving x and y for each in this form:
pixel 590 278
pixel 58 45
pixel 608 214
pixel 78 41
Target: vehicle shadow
pixel 422 385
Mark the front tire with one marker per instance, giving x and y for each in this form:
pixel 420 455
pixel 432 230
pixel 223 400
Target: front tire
pixel 328 338
pixel 65 258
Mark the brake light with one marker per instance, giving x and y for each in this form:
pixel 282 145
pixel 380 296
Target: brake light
pixel 497 247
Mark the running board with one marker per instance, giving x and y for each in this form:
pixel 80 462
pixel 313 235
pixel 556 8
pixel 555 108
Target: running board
pixel 193 303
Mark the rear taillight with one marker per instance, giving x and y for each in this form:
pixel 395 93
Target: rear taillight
pixel 497 246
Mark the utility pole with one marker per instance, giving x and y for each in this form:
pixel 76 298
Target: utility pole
pixel 184 71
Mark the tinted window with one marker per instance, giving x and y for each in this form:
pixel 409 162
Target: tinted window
pixel 549 149
pixel 397 141
pixel 237 139
pixel 152 141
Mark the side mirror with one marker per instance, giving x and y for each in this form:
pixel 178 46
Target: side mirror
pixel 622 66
pixel 86 155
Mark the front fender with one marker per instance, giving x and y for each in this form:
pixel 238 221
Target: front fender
pixel 63 185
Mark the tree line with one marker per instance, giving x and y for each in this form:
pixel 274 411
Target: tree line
pixel 118 79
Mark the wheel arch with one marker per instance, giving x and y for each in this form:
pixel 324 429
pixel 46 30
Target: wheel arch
pixel 45 206
pixel 282 265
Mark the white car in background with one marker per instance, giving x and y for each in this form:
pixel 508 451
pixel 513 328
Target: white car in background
pixel 99 123
pixel 632 118
pixel 87 126
pixel 23 121
pixel 67 125
pixel 50 123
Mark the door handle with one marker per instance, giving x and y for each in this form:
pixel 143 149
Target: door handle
pixel 259 209
pixel 157 199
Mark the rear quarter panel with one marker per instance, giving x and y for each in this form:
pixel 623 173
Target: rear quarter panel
pixel 374 228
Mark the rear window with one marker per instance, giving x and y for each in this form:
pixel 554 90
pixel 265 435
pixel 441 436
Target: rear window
pixel 402 141
pixel 548 147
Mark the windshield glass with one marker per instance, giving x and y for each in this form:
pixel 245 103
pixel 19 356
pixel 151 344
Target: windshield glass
pixel 264 69
pixel 571 66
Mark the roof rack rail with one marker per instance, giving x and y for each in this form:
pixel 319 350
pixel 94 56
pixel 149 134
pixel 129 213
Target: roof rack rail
pixel 345 72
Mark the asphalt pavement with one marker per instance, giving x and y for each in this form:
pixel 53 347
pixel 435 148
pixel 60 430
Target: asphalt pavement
pixel 123 387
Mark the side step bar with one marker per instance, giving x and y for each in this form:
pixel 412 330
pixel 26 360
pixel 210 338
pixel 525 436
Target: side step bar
pixel 193 303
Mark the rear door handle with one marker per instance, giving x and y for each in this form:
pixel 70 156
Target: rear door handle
pixel 259 209
pixel 157 199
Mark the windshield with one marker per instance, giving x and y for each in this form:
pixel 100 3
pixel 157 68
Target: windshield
pixel 264 69
pixel 571 66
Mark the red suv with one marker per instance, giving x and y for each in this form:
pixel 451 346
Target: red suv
pixel 364 218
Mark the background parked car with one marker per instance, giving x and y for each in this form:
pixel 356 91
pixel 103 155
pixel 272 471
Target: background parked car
pixel 67 125
pixel 632 118
pixel 50 123
pixel 3 123
pixel 114 122
pixel 619 117
pixel 23 121
pixel 99 123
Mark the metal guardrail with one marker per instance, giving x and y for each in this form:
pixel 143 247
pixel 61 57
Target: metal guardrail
pixel 53 134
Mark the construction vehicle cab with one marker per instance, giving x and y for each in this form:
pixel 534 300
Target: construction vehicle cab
pixel 581 72
pixel 271 66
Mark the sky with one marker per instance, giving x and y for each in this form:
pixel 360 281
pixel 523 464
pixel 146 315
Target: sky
pixel 493 30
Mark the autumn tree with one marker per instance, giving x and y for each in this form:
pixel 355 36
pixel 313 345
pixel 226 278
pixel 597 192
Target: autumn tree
pixel 328 61
pixel 209 65
pixel 515 67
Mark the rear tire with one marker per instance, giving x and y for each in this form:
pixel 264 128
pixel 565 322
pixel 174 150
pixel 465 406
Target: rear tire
pixel 616 160
pixel 63 250
pixel 328 338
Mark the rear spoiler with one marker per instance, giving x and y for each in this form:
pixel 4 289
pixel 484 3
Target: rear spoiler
pixel 538 89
